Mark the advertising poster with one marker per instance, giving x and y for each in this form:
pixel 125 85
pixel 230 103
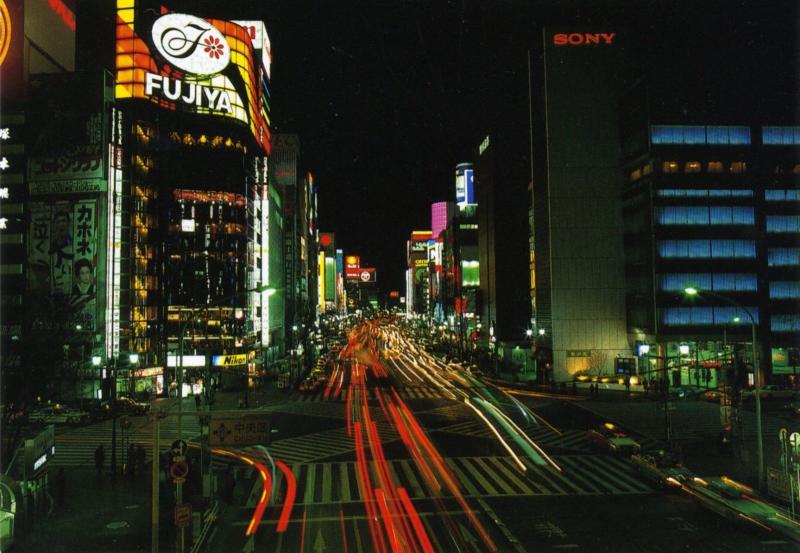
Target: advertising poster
pixel 62 257
pixel 68 153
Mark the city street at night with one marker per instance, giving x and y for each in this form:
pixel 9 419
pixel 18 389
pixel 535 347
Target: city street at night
pixel 395 276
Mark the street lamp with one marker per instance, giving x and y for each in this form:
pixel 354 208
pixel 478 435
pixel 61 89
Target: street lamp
pixel 690 291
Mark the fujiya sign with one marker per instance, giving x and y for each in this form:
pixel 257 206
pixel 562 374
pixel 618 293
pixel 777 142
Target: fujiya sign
pixel 191 44
pixel 195 46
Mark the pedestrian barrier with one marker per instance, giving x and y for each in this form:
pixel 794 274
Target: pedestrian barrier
pixel 210 516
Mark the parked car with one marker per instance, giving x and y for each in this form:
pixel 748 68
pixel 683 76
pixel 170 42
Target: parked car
pixel 97 409
pixel 127 406
pixel 610 437
pixel 661 468
pixel 713 395
pixel 685 392
pixel 59 414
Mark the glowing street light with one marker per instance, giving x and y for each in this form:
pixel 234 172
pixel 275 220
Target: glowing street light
pixel 691 291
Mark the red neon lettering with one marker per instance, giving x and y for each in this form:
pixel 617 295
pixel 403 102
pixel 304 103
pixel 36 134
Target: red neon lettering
pixel 583 39
pixel 66 15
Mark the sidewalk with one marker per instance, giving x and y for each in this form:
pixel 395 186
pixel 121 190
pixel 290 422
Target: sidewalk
pixel 99 514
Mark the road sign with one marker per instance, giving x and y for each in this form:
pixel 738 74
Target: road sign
pixel 179 448
pixel 178 471
pixel 794 440
pixel 183 514
pixel 248 430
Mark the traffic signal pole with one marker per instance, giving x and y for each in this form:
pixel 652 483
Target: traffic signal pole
pixel 155 486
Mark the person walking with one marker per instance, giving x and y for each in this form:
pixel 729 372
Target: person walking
pixel 627 385
pixel 99 458
pixel 197 401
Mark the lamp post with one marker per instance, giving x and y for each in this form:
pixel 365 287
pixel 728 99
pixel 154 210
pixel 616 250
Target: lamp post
pixel 756 375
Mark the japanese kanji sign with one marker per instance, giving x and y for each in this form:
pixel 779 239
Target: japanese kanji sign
pixel 251 430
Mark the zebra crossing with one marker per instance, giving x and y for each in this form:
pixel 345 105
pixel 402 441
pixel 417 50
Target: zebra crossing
pixel 319 445
pixel 337 482
pixel 543 436
pixel 405 392
pixel 75 447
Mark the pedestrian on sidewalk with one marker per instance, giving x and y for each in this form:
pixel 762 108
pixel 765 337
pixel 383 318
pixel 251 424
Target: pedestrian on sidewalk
pixel 61 486
pixel 99 458
pixel 197 401
pixel 646 387
pixel 628 385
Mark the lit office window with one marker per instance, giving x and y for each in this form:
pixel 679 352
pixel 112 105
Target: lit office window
pixel 728 193
pixel 735 215
pixel 734 282
pixel 781 136
pixel 715 167
pixel 784 289
pixel 670 167
pixel 678 282
pixel 701 215
pixel 785 323
pixel 783 257
pixel 732 135
pixel 783 223
pixel 725 315
pixel 733 249
pixel 782 195
pixel 693 167
pixel 738 167
pixel 685 316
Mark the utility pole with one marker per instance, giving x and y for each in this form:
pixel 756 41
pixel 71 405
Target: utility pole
pixel 154 483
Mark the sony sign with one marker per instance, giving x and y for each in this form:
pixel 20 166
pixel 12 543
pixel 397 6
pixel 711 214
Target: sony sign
pixel 195 46
pixel 582 39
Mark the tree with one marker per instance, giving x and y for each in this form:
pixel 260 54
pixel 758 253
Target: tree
pixel 597 361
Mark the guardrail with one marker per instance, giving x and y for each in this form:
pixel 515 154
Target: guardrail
pixel 209 518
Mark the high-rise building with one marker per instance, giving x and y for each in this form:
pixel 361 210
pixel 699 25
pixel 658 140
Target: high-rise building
pixel 502 247
pixel 713 207
pixel 577 252
pixel 417 278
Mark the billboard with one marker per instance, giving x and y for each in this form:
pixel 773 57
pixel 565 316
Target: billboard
pixel 184 62
pixel 63 258
pixel 361 274
pixel 352 262
pixel 465 190
pixel 68 152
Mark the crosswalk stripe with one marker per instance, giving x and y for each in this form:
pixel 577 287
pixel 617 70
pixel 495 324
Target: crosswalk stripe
pixel 311 474
pixel 326 483
pixel 626 475
pixel 476 473
pixel 499 481
pixel 462 479
pixel 509 474
pixel 550 478
pixel 576 473
pixel 416 489
pixel 344 477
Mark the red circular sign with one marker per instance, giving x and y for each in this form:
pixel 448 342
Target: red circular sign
pixel 325 240
pixel 178 471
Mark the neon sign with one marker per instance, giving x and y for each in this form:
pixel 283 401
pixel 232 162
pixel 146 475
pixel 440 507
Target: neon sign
pixel 583 39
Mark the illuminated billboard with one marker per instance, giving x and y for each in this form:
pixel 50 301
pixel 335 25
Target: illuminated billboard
pixel 63 261
pixel 362 274
pixel 184 62
pixel 352 262
pixel 465 190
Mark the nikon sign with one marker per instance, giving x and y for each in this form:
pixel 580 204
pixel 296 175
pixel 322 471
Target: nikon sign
pixel 229 360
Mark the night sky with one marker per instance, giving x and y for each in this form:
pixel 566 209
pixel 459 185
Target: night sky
pixel 388 96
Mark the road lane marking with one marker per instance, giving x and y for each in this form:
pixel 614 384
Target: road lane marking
pixel 327 488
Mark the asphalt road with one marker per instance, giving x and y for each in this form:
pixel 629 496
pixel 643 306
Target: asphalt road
pixel 594 503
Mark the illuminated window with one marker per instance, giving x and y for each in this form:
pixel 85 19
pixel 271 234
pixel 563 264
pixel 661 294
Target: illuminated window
pixel 786 289
pixel 670 167
pixel 715 167
pixel 783 223
pixel 636 174
pixel 783 257
pixel 706 249
pixel 702 215
pixel 738 167
pixel 781 136
pixel 686 316
pixel 782 195
pixel 470 273
pixel 648 168
pixel 785 323
pixel 693 167
pixel 727 135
